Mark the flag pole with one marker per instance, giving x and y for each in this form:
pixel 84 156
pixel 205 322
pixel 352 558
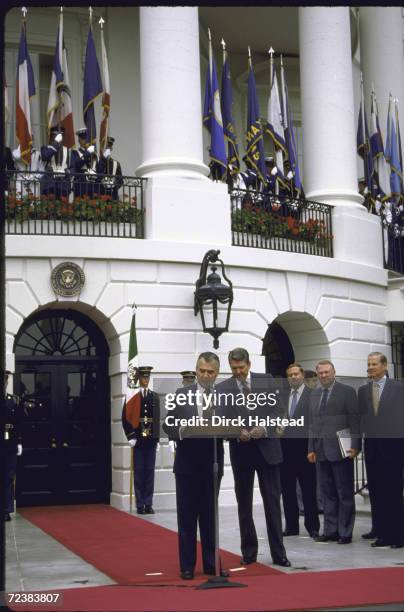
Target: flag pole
pixel 60 46
pixel 132 470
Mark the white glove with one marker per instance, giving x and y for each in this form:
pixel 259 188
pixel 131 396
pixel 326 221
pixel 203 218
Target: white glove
pixel 274 171
pixel 91 171
pixel 132 442
pixel 19 450
pixel 171 444
pixel 289 175
pixel 107 153
pixel 17 153
pixel 365 191
pixel 90 149
pixel 59 137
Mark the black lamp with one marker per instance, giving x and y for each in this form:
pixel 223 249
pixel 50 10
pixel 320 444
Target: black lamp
pixel 209 293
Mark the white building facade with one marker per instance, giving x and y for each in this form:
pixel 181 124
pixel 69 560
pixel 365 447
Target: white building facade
pixel 339 307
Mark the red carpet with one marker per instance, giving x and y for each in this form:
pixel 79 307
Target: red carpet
pixel 264 593
pixel 123 546
pixel 126 548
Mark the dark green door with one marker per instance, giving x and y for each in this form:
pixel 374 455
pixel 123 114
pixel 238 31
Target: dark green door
pixel 66 423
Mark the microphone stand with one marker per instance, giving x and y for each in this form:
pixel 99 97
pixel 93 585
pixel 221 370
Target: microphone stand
pixel 220 579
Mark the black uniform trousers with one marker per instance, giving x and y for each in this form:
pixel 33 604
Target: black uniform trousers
pixel 195 505
pixel 10 472
pixel 144 461
pixel 295 467
pixel 337 490
pixel 270 487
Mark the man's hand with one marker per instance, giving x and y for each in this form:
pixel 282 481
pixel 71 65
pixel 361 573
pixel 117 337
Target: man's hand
pixel 245 435
pixel 274 171
pixel 312 457
pixel 107 153
pixel 90 149
pixel 17 153
pixel 172 446
pixel 158 446
pixel 132 442
pixel 19 450
pixel 352 453
pixel 59 137
pixel 289 175
pixel 257 432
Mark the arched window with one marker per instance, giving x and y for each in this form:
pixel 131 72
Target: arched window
pixel 277 349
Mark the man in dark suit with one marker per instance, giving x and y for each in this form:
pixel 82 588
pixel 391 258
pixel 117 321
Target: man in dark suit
pixel 295 466
pixel 333 408
pixel 12 445
pixel 112 171
pixel 382 421
pixel 144 440
pixel 257 450
pixel 193 468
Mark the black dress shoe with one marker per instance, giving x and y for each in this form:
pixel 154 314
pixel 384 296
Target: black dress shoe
pixel 379 543
pixel 247 560
pixel 141 510
pixel 7 517
pixel 223 573
pixel 149 510
pixel 344 540
pixel 290 532
pixel 397 545
pixel 187 575
pixel 283 561
pixel 313 534
pixel 370 535
pixel 331 538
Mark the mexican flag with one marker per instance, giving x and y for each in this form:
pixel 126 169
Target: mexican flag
pixel 131 408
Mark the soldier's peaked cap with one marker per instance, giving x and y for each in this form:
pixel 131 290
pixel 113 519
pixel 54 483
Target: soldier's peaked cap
pixel 110 140
pixel 57 129
pixel 82 132
pixel 188 374
pixel 144 370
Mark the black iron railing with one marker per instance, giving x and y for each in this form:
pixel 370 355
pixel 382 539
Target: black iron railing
pixel 393 246
pixel 280 223
pixel 44 203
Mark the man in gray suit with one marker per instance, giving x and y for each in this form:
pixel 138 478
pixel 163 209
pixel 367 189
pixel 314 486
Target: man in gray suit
pixel 257 450
pixel 334 407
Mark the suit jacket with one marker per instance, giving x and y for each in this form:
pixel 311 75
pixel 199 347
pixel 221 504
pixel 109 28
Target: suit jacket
pixel 192 455
pixel 269 446
pixel 150 408
pixel 12 423
pixel 294 440
pixel 341 412
pixel 382 431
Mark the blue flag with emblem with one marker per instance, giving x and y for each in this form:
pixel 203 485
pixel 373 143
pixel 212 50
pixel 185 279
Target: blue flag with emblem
pixel 233 157
pixel 380 168
pixel 255 156
pixel 92 88
pixel 393 156
pixel 212 119
pixel 290 138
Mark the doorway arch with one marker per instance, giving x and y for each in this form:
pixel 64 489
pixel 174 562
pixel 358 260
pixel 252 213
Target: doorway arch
pixel 61 374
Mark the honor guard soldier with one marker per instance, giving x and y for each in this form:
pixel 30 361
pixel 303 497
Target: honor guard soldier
pixel 12 443
pixel 56 158
pixel 83 165
pixel 188 377
pixel 27 175
pixel 144 439
pixel 112 171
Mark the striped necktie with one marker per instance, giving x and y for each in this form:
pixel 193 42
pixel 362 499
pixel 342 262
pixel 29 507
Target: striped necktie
pixel 375 397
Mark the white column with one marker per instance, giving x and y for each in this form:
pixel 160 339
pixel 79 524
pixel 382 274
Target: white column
pixel 171 112
pixel 381 52
pixel 329 131
pixel 182 204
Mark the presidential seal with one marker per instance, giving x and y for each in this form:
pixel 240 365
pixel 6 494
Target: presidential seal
pixel 67 279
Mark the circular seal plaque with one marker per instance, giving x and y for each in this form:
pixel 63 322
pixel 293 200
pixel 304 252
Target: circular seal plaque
pixel 67 279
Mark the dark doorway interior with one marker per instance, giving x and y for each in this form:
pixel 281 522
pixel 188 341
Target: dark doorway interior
pixel 62 375
pixel 277 349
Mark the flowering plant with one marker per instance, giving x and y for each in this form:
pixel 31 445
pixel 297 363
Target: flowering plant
pixel 256 220
pixel 82 208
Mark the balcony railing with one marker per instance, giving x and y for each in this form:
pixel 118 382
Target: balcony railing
pixel 393 246
pixel 283 224
pixel 43 203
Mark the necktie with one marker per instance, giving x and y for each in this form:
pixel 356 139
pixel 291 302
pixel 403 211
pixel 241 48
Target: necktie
pixel 209 408
pixel 245 386
pixel 323 402
pixel 375 397
pixel 293 403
